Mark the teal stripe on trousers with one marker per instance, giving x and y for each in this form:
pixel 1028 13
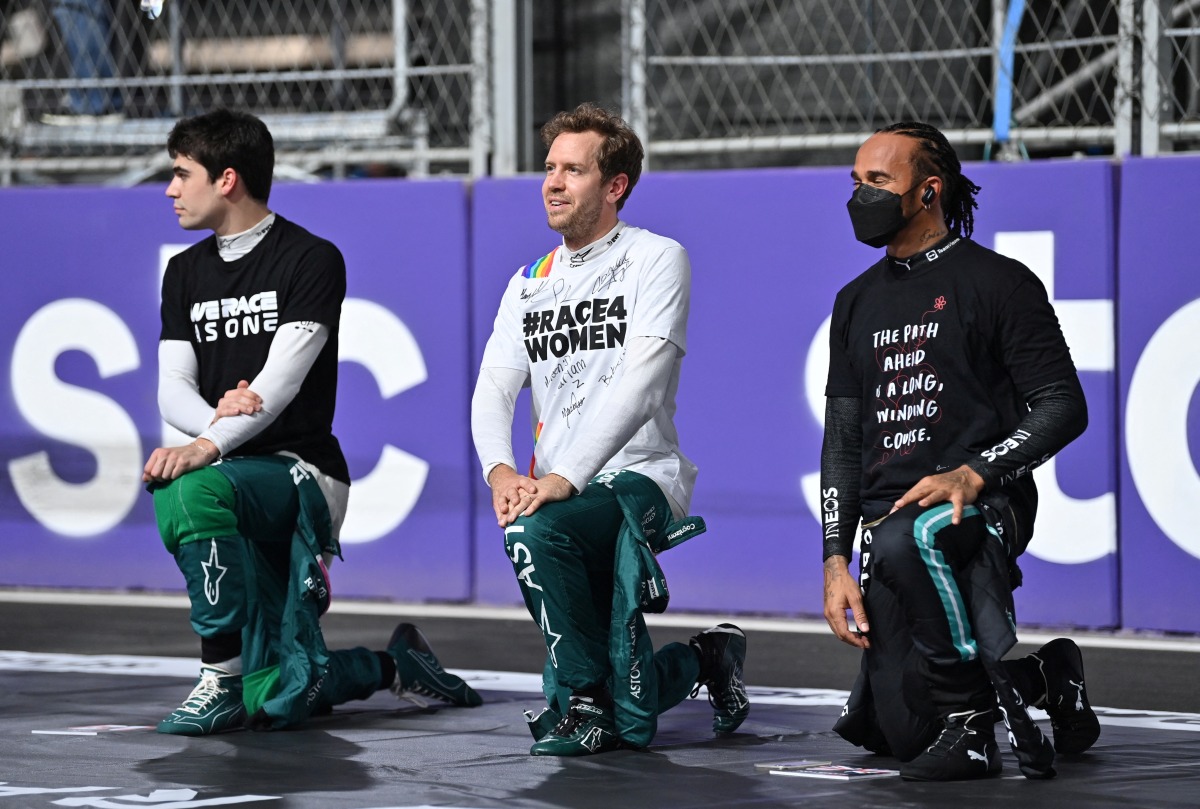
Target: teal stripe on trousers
pixel 925 529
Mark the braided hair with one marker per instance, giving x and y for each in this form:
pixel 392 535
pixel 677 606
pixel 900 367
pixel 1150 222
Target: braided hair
pixel 935 157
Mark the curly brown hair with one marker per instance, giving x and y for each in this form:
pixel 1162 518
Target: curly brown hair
pixel 620 150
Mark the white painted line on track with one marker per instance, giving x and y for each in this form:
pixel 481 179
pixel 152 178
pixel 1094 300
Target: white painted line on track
pixel 687 620
pixel 526 683
pixel 139 665
pixel 184 667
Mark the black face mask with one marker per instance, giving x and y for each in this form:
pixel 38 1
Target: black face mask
pixel 876 214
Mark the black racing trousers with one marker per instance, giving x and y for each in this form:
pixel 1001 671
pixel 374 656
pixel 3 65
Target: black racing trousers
pixel 924 660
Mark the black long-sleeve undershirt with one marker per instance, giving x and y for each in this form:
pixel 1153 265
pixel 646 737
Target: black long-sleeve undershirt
pixel 1057 416
pixel 841 474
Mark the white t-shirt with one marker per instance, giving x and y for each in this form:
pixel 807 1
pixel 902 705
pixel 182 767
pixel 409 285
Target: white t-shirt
pixel 565 319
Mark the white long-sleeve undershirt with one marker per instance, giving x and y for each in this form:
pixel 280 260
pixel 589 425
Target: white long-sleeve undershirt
pixel 293 351
pixel 492 407
pixel 648 363
pixel 179 399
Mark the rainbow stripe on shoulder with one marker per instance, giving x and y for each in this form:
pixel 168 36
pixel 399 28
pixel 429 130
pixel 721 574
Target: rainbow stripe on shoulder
pixel 541 267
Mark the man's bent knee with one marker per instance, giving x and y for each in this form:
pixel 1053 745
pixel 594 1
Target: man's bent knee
pixel 198 505
pixel 910 534
pixel 537 532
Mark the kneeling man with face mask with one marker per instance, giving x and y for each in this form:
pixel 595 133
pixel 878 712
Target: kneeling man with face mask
pixel 949 382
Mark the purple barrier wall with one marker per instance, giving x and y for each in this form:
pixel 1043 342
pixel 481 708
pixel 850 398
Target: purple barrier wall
pixel 769 251
pixel 79 415
pixel 1058 218
pixel 507 231
pixel 1159 329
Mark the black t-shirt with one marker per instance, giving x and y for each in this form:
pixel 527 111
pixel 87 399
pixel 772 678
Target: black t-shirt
pixel 229 312
pixel 941 356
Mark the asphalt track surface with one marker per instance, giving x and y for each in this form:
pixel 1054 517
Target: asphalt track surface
pixel 84 677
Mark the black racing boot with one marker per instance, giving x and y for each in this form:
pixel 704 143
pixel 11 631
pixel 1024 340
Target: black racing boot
pixel 964 750
pixel 418 671
pixel 1075 725
pixel 722 651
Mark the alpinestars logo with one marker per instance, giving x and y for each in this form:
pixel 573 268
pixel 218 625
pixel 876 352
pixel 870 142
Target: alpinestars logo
pixel 550 633
pixel 593 739
pixel 213 573
pixel 734 691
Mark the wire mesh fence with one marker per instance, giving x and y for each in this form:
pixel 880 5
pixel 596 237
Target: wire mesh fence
pixel 772 77
pixel 363 85
pixel 89 88
pixel 1176 67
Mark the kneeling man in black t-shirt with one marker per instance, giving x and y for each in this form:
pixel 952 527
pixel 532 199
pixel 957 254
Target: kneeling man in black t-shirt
pixel 949 382
pixel 252 507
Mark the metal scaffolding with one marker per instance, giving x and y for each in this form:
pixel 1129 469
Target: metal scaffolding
pixel 421 87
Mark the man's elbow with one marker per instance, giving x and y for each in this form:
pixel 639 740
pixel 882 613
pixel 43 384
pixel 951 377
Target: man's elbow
pixel 1080 418
pixel 1079 408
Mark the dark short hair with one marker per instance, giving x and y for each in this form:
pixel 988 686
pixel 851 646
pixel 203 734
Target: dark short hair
pixel 935 157
pixel 620 149
pixel 228 139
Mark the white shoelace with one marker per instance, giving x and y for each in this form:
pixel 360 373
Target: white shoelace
pixel 207 690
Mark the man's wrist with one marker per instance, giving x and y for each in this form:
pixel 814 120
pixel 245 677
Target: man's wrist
pixel 211 451
pixel 975 478
pixel 570 477
pixel 574 489
pixel 496 470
